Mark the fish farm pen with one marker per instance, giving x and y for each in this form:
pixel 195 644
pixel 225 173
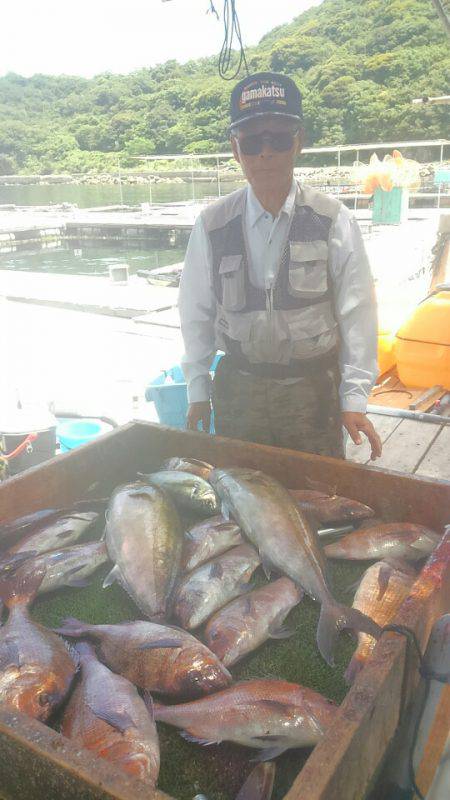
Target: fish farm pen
pixel 37 762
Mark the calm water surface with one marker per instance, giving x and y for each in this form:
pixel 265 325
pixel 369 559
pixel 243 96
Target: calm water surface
pixel 107 195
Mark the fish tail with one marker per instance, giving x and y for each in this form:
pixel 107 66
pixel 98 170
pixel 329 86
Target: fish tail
pixel 73 627
pixel 21 587
pixel 335 617
pixel 160 711
pixel 354 668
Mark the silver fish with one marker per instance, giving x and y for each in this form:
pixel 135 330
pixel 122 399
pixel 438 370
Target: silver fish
pixel 213 584
pixel 393 540
pixel 247 622
pixel 144 540
pixel 270 518
pixel 61 532
pixel 70 566
pixel 270 715
pixel 106 715
pixel 209 539
pixel 190 493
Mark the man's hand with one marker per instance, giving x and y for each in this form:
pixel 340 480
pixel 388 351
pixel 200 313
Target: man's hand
pixel 354 422
pixel 199 412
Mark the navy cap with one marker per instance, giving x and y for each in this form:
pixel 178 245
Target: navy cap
pixel 265 93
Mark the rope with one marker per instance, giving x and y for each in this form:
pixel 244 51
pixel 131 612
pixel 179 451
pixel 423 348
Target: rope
pixel 232 30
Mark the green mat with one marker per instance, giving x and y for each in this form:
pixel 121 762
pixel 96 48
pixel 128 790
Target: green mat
pixel 218 771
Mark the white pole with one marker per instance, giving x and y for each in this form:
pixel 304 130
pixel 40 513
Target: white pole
pixel 120 181
pixel 192 177
pixel 218 175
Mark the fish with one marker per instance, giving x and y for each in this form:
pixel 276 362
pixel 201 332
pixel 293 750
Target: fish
pixel 208 539
pixel 193 465
pixel 330 507
pixel 396 540
pixel 70 566
pixel 259 784
pixel 144 540
pixel 379 606
pixel 25 524
pixel 60 532
pixel 190 493
pixel 270 715
pixel 212 585
pixel 159 658
pixel 246 623
pixel 36 667
pixel 288 544
pixel 106 715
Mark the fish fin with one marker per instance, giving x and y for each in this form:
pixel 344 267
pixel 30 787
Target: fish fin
pixel 384 575
pixel 113 575
pixel 259 784
pixel 248 605
pixel 176 643
pixel 334 618
pixel 117 719
pixel 148 700
pixel 73 627
pixel 280 631
pixel 224 510
pixel 21 587
pixel 224 527
pixel 354 668
pixel 324 488
pixel 216 570
pixel 79 583
pixel 268 753
pixel 267 566
pixel 190 738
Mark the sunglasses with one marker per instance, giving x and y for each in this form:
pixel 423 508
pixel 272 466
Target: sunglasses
pixel 279 141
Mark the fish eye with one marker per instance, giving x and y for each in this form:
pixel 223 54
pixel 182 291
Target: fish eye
pixel 43 699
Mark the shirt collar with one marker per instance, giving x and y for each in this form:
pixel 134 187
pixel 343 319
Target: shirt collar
pixel 255 210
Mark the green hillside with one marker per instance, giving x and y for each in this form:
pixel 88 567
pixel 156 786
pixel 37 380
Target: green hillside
pixel 358 64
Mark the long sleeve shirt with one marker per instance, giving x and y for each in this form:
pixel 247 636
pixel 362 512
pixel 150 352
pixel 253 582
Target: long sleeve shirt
pixel 353 293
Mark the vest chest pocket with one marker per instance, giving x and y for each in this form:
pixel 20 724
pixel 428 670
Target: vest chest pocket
pixel 231 271
pixel 308 273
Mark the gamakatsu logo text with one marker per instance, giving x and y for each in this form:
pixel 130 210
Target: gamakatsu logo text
pixel 262 93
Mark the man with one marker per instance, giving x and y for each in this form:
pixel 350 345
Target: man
pixel 277 277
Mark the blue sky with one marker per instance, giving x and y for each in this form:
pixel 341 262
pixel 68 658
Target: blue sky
pixel 91 36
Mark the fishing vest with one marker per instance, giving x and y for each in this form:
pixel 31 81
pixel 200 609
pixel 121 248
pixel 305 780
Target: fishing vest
pixel 294 319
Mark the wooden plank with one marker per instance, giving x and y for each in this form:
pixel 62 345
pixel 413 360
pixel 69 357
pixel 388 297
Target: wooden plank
pixel 407 445
pixel 38 763
pixel 385 426
pixel 436 463
pixel 435 744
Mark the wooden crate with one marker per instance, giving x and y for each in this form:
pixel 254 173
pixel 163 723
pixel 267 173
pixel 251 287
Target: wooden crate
pixel 36 762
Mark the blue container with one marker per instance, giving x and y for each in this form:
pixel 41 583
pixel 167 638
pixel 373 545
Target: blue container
pixel 170 399
pixel 75 432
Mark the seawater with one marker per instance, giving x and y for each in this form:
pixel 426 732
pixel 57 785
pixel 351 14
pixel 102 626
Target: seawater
pixel 91 257
pixel 87 195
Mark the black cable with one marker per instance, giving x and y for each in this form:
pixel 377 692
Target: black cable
pixel 232 30
pixel 428 675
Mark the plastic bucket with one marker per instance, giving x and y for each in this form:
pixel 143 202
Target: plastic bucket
pixel 75 432
pixel 169 394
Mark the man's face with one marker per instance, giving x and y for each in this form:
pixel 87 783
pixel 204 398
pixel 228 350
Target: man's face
pixel 269 168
